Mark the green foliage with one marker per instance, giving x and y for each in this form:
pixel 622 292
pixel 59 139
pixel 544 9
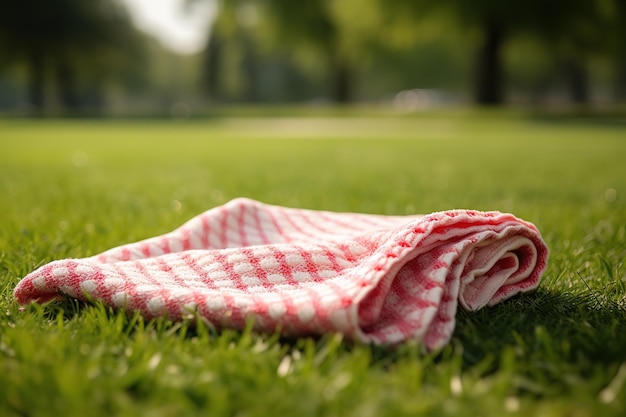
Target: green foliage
pixel 75 188
pixel 71 44
pixel 83 57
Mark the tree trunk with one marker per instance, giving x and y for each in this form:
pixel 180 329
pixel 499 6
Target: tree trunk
pixel 620 81
pixel 341 79
pixel 36 82
pixel 489 70
pixel 212 65
pixel 577 81
pixel 66 85
pixel 343 84
pixel 250 69
pixel 620 54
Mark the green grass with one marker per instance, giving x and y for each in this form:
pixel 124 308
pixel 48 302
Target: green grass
pixel 75 188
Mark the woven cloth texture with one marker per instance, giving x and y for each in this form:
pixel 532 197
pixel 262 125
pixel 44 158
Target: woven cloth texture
pixel 376 279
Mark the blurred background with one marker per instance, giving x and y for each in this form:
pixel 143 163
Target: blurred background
pixel 180 58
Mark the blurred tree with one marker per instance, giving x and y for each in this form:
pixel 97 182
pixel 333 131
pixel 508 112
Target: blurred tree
pixel 230 58
pixel 223 27
pixel 314 22
pixel 212 59
pixel 281 50
pixel 396 51
pixel 564 22
pixel 573 32
pixel 619 48
pixel 68 42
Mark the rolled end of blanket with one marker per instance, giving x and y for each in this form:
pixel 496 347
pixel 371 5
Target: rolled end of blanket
pixel 457 257
pixel 506 267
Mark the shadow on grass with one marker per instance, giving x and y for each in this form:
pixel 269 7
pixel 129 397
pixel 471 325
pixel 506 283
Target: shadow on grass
pixel 546 326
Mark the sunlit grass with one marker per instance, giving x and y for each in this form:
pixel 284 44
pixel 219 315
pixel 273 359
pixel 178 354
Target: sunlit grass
pixel 75 188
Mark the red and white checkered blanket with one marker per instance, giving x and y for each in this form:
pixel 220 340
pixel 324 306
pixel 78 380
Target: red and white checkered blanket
pixel 378 279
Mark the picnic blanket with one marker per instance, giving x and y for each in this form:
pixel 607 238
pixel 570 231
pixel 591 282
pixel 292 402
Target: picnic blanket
pixel 376 279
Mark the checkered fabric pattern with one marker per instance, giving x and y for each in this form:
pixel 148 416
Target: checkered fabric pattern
pixel 376 279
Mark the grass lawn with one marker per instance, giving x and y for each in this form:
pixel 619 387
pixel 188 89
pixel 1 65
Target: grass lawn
pixel 75 188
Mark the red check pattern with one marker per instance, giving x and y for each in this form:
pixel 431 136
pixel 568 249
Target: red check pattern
pixel 377 279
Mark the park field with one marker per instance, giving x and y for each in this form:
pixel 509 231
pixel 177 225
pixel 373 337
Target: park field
pixel 73 188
